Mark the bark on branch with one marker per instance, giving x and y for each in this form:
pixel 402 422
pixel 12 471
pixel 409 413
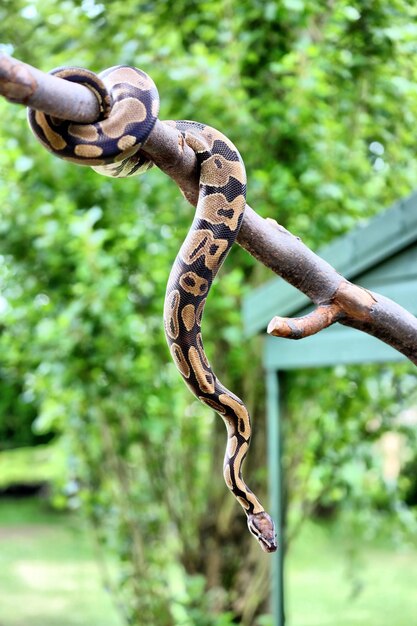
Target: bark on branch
pixel 336 298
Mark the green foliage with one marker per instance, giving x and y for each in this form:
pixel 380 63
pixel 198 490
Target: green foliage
pixel 18 413
pixel 320 98
pixel 342 437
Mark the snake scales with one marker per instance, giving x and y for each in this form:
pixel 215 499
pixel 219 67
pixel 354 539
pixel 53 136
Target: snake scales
pixel 129 105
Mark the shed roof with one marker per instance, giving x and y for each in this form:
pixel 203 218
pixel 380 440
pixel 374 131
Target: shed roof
pixel 365 252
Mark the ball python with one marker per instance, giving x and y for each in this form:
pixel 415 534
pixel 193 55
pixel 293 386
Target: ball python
pixel 129 106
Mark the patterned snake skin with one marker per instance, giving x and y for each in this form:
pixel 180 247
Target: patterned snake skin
pixel 129 106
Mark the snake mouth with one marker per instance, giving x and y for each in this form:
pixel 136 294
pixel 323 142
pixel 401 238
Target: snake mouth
pixel 268 546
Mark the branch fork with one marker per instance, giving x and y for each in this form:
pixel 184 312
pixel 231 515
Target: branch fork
pixel 350 303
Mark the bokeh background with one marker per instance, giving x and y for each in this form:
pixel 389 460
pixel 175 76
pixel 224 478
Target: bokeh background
pixel 113 509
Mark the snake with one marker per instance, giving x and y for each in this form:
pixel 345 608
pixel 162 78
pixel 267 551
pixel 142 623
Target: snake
pixel 129 107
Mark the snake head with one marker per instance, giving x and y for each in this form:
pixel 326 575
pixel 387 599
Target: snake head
pixel 263 529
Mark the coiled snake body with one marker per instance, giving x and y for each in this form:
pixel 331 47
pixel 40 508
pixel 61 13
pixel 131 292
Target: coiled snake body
pixel 112 147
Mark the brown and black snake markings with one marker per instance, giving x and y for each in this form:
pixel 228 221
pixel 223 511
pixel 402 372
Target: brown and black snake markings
pixel 129 108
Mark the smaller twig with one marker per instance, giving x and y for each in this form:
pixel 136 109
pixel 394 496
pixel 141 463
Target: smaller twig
pixel 350 305
pixel 310 324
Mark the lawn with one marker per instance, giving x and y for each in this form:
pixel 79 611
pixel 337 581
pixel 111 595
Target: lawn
pixel 375 587
pixel 48 574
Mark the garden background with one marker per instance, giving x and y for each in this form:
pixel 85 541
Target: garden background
pixel 122 465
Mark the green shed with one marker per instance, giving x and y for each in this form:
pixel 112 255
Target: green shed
pixel 380 255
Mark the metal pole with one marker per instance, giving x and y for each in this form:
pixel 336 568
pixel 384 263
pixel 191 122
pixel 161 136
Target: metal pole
pixel 275 490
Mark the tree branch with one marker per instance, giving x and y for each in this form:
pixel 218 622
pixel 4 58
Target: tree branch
pixel 23 84
pixel 336 298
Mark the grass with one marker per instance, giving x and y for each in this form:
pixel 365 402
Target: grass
pixel 48 575
pixel 32 465
pixel 333 579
